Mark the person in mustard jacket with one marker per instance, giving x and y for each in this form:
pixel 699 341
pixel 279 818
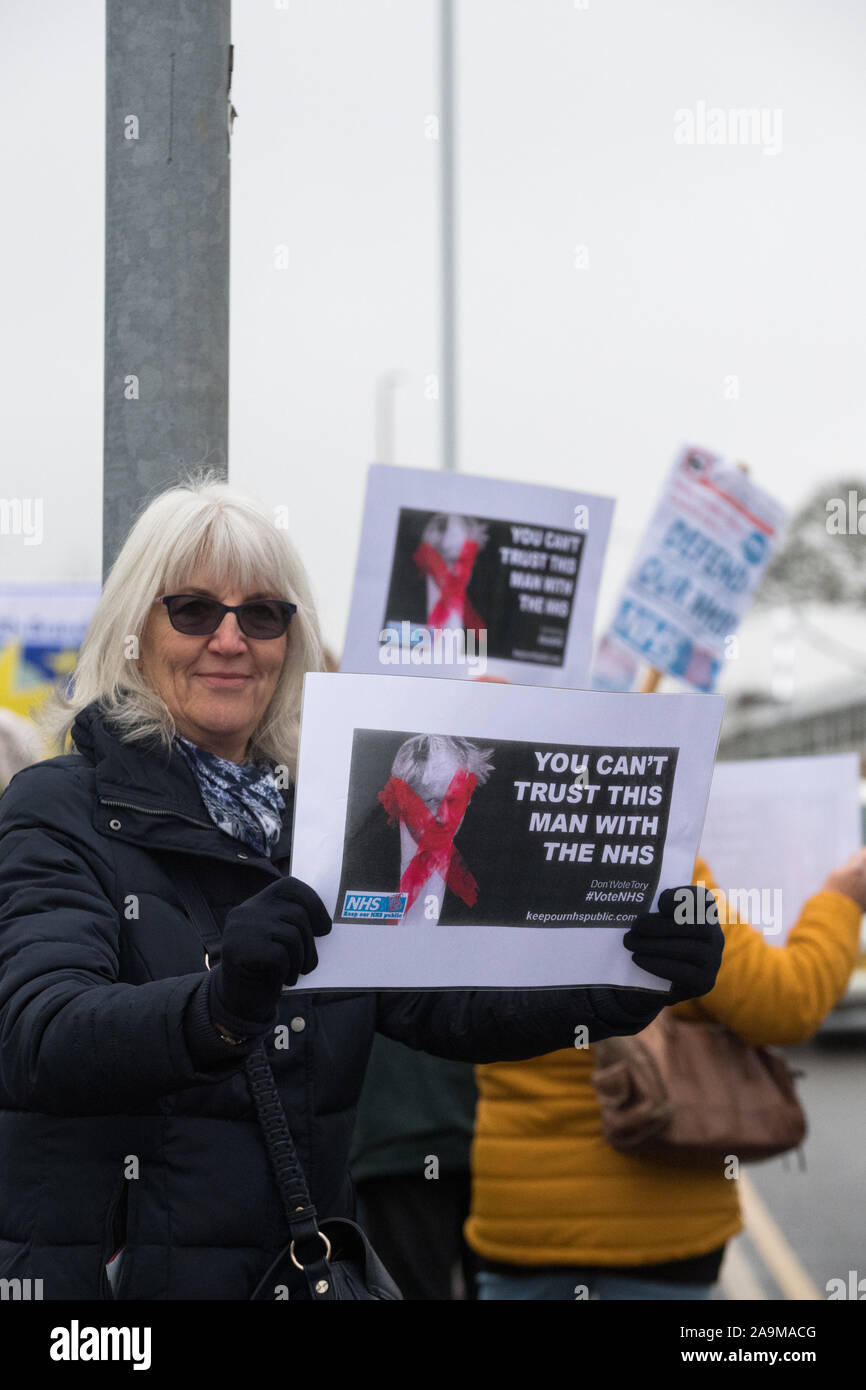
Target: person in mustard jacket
pixel 559 1214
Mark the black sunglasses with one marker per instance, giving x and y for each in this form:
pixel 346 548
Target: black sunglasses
pixel 197 616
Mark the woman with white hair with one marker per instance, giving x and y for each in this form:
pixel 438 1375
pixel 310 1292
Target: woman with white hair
pixel 131 1163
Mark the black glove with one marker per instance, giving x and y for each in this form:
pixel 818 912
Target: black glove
pixel 682 942
pixel 267 942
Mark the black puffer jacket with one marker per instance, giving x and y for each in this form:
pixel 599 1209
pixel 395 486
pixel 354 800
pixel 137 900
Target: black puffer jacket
pixel 118 1122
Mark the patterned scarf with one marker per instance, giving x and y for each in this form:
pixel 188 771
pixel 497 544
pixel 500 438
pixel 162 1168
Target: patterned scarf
pixel 243 799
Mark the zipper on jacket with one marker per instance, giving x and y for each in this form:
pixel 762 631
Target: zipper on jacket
pixel 146 811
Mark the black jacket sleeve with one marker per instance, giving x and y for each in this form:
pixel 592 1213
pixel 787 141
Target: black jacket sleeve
pixel 73 1039
pixel 510 1025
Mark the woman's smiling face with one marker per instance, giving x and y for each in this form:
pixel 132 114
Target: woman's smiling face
pixel 217 688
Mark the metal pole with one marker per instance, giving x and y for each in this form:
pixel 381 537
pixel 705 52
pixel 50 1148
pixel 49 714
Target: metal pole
pixel 168 72
pixel 448 394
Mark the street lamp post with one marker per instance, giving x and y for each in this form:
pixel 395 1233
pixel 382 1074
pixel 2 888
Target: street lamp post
pixel 448 216
pixel 168 72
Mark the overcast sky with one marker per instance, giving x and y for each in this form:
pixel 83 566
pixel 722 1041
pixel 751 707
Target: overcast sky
pixel 703 262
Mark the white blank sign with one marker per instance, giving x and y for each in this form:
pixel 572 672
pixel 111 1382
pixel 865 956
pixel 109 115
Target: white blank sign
pixel 780 825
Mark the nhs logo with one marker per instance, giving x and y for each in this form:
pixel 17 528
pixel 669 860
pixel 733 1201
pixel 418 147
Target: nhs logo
pixel 374 906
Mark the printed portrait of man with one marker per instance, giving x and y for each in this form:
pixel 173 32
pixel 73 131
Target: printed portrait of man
pixel 433 570
pixel 449 548
pixel 409 842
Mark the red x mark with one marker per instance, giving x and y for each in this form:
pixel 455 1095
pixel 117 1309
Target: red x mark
pixel 434 835
pixel 451 583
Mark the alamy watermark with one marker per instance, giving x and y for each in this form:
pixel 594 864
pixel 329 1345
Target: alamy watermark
pixel 20 1290
pixel 853 1287
pixel 718 125
pixel 410 645
pixel 846 516
pixel 77 1343
pixel 760 907
pixel 22 516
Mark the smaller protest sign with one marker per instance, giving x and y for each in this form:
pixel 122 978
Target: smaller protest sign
pixel 775 827
pixel 453 850
pixel 41 628
pixel 700 561
pixel 463 576
pixel 613 667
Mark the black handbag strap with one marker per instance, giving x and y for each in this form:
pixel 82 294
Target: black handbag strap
pixel 307 1241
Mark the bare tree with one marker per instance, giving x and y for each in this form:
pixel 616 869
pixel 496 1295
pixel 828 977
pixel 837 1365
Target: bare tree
pixel 822 558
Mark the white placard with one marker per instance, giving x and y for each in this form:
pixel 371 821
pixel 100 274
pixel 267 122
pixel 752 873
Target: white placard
pixel 775 827
pixel 505 573
pixel 569 810
pixel 702 556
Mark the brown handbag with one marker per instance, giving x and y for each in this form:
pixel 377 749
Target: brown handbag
pixel 693 1091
